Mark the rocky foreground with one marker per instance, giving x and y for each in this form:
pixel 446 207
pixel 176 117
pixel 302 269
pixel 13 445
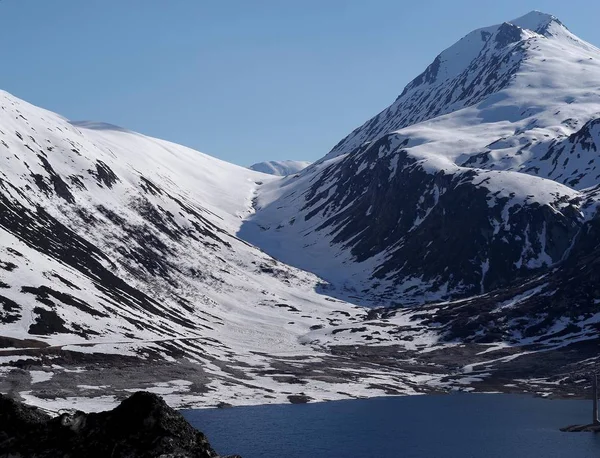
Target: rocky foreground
pixel 142 426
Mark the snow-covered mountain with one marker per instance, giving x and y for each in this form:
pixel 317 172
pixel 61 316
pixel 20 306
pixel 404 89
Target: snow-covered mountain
pixel 119 244
pixel 128 262
pixel 477 175
pixel 280 168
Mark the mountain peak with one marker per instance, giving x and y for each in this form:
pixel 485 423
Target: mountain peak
pixel 536 21
pixel 483 62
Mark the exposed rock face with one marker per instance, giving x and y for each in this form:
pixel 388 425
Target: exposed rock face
pixel 142 426
pixel 533 308
pixel 421 232
pixel 448 229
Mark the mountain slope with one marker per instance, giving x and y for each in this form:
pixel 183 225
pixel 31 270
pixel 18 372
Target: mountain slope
pixel 484 180
pixel 117 253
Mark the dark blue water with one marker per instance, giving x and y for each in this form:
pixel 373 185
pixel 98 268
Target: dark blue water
pixel 463 425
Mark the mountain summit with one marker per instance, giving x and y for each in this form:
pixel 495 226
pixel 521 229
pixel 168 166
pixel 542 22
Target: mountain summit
pixel 537 21
pixel 481 63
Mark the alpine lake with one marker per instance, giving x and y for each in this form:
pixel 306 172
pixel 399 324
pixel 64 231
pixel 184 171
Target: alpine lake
pixel 447 426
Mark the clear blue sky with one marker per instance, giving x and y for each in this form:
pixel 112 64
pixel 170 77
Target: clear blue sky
pixel 245 80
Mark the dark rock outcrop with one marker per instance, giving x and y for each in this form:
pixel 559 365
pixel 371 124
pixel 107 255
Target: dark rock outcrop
pixel 591 428
pixel 535 306
pixel 142 426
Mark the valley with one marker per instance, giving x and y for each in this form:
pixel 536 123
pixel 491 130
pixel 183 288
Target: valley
pixel 451 243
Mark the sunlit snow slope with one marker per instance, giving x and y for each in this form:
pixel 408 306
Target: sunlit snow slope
pixel 112 242
pixel 280 168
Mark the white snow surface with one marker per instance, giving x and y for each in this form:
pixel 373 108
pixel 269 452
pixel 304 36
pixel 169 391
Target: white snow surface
pixel 280 168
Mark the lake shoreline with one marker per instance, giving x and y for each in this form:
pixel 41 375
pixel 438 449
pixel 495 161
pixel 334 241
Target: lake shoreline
pixel 182 402
pixel 395 396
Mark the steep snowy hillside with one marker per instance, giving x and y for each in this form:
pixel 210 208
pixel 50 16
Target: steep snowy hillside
pixel 280 168
pixel 484 182
pixel 118 253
